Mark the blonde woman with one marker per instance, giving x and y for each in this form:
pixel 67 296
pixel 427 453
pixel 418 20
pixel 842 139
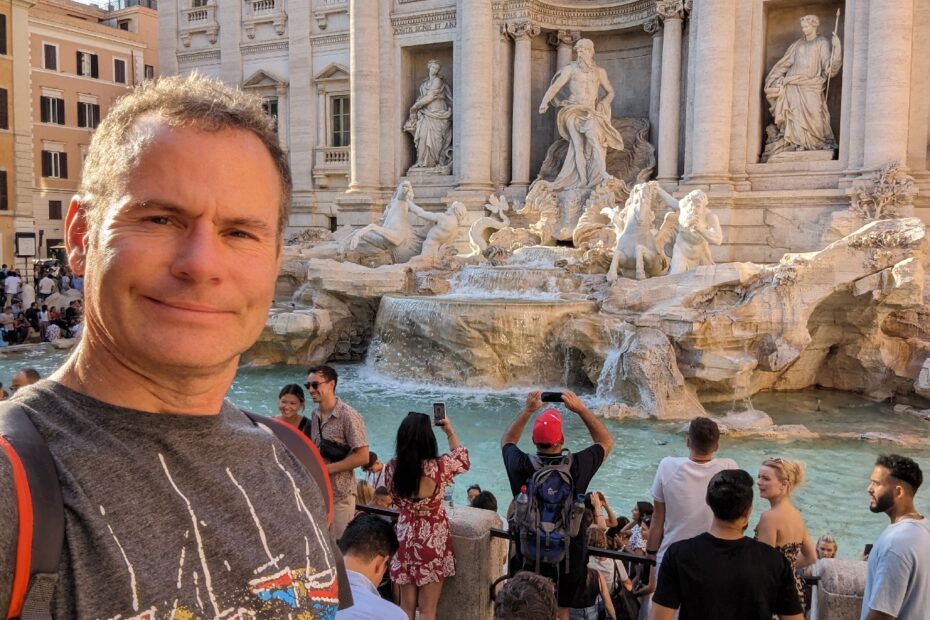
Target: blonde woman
pixel 782 526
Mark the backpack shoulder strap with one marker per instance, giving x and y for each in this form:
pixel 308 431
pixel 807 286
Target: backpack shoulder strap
pixel 301 447
pixel 40 514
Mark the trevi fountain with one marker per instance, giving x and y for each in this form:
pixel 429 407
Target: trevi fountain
pixel 674 207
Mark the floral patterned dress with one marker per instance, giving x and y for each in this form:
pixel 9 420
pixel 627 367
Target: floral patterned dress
pixel 425 553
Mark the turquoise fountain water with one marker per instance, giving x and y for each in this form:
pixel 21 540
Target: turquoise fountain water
pixel 834 498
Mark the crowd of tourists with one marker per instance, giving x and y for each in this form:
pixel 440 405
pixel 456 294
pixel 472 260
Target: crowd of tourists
pixel 684 552
pixel 38 321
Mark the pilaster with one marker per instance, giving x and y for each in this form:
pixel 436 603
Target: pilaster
pixel 522 34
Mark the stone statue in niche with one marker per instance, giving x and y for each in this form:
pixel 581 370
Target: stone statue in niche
pixel 696 226
pixel 796 89
pixel 430 124
pixel 583 120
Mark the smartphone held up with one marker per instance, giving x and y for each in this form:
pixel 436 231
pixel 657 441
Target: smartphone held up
pixel 439 414
pixel 551 397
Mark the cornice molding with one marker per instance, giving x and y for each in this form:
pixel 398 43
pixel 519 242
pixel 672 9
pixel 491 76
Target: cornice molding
pixel 442 19
pixel 324 40
pixel 554 15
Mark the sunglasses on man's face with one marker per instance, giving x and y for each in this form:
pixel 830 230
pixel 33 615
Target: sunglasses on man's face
pixel 312 385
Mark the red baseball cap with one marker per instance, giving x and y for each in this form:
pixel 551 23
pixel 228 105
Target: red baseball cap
pixel 547 428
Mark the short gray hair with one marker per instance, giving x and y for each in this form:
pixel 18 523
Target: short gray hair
pixel 178 101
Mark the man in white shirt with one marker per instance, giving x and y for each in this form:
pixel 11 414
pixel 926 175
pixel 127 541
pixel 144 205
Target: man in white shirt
pixel 679 491
pixel 46 287
pixel 367 545
pixel 897 584
pixel 11 286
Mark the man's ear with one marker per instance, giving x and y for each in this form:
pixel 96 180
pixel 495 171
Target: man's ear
pixel 76 235
pixel 380 565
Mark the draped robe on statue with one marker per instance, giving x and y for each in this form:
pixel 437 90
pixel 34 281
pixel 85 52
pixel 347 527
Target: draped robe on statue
pixel 795 89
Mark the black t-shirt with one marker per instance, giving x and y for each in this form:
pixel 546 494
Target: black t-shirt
pixel 710 578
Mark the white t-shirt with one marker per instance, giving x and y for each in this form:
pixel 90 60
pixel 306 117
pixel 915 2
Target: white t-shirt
pixel 898 578
pixel 11 285
pixel 46 285
pixel 681 484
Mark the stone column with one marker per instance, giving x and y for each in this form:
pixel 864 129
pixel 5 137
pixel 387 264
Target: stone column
pixel 563 41
pixel 522 33
pixel 365 110
pixel 891 33
pixel 472 108
pixel 713 91
pixel 654 27
pixel 672 13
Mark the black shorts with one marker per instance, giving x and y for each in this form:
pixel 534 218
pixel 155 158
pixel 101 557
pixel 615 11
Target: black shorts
pixel 569 580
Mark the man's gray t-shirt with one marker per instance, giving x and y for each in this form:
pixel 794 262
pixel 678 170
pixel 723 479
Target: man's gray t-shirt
pixel 898 579
pixel 174 515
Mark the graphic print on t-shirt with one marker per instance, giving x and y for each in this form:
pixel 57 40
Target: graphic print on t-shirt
pixel 304 591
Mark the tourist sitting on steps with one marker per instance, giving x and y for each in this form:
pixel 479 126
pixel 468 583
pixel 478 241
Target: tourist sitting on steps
pixel 526 596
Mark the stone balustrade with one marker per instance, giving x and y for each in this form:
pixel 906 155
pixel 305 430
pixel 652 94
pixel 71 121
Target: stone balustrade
pixel 479 560
pixel 838 596
pixel 330 161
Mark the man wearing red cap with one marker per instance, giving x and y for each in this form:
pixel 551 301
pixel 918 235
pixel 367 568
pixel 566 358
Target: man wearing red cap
pixel 549 440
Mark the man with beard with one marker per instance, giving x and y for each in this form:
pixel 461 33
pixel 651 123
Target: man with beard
pixel 583 120
pixel 898 580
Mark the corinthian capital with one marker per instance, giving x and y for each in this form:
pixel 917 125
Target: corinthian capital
pixel 653 25
pixel 563 37
pixel 673 9
pixel 522 30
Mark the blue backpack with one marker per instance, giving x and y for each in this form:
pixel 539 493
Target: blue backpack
pixel 549 520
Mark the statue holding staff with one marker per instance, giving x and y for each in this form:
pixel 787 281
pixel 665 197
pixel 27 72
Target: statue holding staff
pixel 796 91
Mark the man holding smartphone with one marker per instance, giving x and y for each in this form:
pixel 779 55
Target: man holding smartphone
pixel 549 441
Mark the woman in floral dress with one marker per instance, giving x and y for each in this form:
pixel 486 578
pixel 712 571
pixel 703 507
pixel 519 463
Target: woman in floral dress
pixel 416 478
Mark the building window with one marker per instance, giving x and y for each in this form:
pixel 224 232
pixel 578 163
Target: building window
pixel 123 24
pixel 4 192
pixel 54 209
pixel 87 64
pixel 198 3
pixel 149 72
pixel 52 110
pixel 54 165
pixel 50 53
pixel 88 114
pixel 270 106
pixel 2 33
pixel 340 120
pixel 119 71
pixel 4 109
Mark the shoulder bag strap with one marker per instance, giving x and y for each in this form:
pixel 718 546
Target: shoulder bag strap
pixel 40 514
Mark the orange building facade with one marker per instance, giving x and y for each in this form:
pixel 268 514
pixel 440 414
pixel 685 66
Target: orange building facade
pixel 83 58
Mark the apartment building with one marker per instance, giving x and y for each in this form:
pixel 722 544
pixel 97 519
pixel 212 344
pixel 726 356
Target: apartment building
pixel 7 159
pixel 83 59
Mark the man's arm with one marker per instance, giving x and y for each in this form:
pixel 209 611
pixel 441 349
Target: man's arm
pixel 422 213
pixel 599 432
pixel 515 430
pixel 356 458
pixel 558 81
pixel 603 105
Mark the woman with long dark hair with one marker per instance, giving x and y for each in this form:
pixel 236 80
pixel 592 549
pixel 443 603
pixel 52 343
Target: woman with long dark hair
pixel 291 407
pixel 417 478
